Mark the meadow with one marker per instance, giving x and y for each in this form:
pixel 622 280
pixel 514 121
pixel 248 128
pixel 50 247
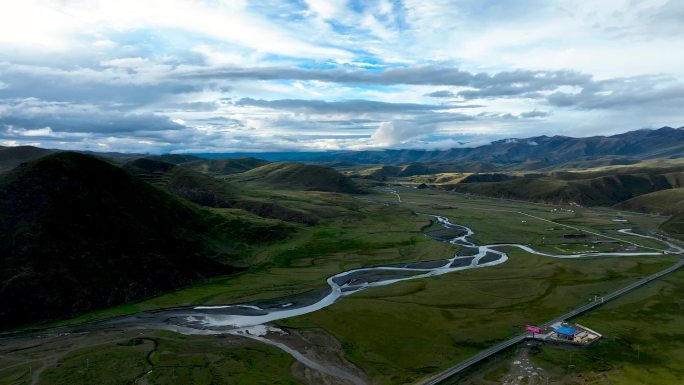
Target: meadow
pixel 643 339
pixel 153 357
pixel 406 331
pixel 401 333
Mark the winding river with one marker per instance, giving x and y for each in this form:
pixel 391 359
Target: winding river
pixel 251 319
pixel 226 318
pixel 237 318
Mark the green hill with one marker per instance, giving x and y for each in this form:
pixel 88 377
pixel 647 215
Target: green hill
pixel 382 173
pixel 664 202
pixel 77 233
pixel 206 190
pixel 379 172
pixel 216 167
pixel 667 202
pixel 299 176
pixel 11 157
pixel 675 226
pixel 600 191
pixel 483 178
pixel 194 186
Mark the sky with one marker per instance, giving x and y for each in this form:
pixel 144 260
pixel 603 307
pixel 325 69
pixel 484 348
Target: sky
pixel 160 76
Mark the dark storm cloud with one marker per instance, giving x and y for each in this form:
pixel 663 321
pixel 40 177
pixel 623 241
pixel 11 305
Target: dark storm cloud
pixel 192 106
pixel 441 94
pixel 441 117
pixel 526 84
pixel 534 114
pixel 71 89
pixel 180 78
pixel 622 93
pixel 509 116
pixel 422 75
pixel 406 75
pixel 344 107
pixel 32 114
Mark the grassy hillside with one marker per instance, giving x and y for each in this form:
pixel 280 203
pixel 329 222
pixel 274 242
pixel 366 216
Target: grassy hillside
pixel 667 202
pixel 599 191
pixel 77 233
pixel 299 176
pixel 191 185
pixel 10 157
pixel 386 172
pixel 479 178
pixel 675 226
pixel 206 190
pixel 213 166
pixel 441 179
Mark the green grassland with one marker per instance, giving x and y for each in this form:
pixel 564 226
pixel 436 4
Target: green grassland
pixel 355 234
pixel 403 332
pixel 166 357
pixel 643 339
pixel 501 221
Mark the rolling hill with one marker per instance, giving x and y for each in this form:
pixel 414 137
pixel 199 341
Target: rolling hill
pixel 675 226
pixel 11 157
pixel 664 202
pixel 605 190
pixel 206 190
pixel 215 167
pixel 78 233
pixel 194 186
pixel 299 176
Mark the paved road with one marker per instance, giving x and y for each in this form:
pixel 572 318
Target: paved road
pixel 517 339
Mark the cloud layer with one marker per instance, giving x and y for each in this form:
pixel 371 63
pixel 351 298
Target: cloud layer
pixel 315 75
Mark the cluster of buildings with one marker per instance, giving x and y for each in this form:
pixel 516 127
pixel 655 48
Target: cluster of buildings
pixel 564 332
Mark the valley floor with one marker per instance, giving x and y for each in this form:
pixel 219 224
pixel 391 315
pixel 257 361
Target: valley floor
pixel 404 332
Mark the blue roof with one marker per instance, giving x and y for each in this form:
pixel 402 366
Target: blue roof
pixel 566 331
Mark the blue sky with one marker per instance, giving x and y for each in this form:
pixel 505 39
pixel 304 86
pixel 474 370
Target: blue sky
pixel 238 75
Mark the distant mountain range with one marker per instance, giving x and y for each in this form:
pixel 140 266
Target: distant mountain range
pixel 529 153
pixel 535 153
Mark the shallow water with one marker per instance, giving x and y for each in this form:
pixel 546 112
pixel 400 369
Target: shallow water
pixel 217 319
